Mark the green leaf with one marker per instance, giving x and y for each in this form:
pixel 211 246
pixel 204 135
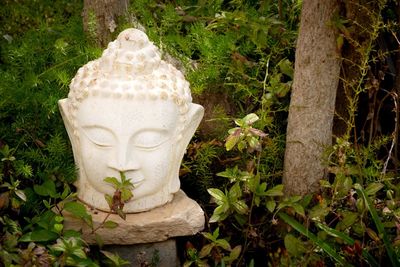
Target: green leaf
pixel 210 236
pixel 121 214
pixel 234 255
pixel 305 201
pixel 325 183
pixel 21 194
pixel 360 205
pixel 240 218
pixel 234 174
pixel 48 188
pixel 235 192
pixel 79 253
pixel 113 181
pixel 298 208
pixel 230 173
pixel 109 200
pixel 318 213
pixel 286 67
pixel 41 235
pixel 223 244
pixel 206 250
pixel 241 207
pixel 294 246
pixel 239 122
pixel 342 184
pixel 250 119
pixel 232 140
pixel 257 132
pixel 253 142
pixel 99 240
pixel 241 145
pixel 77 209
pixel 260 189
pixel 294 199
pixel 275 191
pixel 348 219
pixel 115 258
pixel 126 194
pixel 271 204
pixel 215 234
pixel 217 194
pixel 58 227
pixel 65 192
pixel 110 224
pixel 373 188
pixel 216 218
pixel 58 218
pixel 72 233
pixel 222 209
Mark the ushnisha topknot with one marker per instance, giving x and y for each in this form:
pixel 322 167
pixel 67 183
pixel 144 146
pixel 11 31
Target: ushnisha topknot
pixel 130 67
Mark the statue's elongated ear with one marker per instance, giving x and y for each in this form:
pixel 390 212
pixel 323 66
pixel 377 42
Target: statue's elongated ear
pixel 63 105
pixel 194 116
pixel 65 114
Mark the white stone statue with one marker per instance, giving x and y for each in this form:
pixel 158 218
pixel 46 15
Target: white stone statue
pixel 129 111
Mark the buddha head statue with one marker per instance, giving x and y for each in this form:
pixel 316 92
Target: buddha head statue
pixel 129 111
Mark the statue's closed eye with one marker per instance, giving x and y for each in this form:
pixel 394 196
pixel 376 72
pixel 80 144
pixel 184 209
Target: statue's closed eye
pixel 149 139
pixel 99 136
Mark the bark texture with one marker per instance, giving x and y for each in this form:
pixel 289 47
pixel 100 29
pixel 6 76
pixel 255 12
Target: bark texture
pixel 101 16
pixel 311 111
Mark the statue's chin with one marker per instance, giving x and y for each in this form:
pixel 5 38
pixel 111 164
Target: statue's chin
pixel 90 196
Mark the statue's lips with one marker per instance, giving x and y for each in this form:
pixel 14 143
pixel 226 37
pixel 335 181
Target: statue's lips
pixel 137 182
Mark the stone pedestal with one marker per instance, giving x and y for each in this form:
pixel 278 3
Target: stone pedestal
pixel 181 217
pixel 145 236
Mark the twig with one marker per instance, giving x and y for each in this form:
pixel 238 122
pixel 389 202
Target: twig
pixel 101 224
pixel 394 134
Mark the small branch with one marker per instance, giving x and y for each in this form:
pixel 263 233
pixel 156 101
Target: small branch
pixel 101 224
pixel 394 135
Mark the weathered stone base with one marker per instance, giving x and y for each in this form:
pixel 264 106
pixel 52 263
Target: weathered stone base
pixel 181 217
pixel 151 254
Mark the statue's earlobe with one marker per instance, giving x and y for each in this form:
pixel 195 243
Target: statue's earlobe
pixel 193 119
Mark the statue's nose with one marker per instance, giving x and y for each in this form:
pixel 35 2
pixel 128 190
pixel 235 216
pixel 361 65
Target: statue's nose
pixel 125 160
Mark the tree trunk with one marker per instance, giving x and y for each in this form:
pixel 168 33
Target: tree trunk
pixel 100 18
pixel 312 105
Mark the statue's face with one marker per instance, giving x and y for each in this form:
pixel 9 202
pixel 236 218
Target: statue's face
pixel 134 136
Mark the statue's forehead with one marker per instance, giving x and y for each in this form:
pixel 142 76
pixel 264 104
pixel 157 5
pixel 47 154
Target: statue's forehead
pixel 128 114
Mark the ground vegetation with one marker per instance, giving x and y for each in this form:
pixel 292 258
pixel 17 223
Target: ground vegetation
pixel 239 58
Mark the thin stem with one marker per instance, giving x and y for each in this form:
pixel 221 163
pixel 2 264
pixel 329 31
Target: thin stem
pixel 101 224
pixel 394 135
pixel 59 65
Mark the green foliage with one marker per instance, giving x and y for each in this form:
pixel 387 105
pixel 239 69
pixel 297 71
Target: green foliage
pixel 354 216
pixel 240 49
pixel 70 252
pixel 42 46
pixel 122 194
pixel 224 46
pixel 245 191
